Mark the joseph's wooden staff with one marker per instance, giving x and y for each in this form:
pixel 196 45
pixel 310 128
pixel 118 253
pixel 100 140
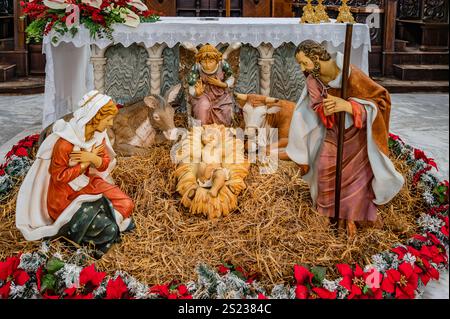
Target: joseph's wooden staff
pixel 228 8
pixel 341 125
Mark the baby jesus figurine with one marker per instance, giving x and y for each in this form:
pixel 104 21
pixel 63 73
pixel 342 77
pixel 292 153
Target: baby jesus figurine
pixel 211 174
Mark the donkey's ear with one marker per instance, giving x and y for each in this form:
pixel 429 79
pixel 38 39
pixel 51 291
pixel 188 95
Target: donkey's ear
pixel 152 102
pixel 172 94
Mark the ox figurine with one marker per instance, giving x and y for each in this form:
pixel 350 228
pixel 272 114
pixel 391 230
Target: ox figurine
pixel 267 112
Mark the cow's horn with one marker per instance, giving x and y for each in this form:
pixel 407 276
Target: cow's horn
pixel 271 100
pixel 240 96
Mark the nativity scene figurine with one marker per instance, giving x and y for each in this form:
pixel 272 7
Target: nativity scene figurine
pixel 69 191
pixel 369 178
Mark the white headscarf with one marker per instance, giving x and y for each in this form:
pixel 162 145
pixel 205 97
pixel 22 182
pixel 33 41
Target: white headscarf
pixel 32 217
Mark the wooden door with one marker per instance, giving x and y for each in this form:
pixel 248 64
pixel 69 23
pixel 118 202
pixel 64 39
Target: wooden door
pixel 163 7
pixel 207 8
pixel 257 8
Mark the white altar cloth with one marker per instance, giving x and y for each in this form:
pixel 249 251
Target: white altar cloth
pixel 69 74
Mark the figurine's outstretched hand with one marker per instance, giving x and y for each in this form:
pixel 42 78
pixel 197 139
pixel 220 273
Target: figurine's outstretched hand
pixel 199 88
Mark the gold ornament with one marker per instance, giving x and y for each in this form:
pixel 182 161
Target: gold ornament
pixel 321 13
pixel 309 16
pixel 345 16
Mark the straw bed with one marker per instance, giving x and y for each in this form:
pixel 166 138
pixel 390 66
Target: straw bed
pixel 273 228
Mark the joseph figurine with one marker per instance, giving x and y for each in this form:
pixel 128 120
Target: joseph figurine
pixel 369 177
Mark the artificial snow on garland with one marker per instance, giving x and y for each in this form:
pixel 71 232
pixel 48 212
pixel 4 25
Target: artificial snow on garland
pixel 401 272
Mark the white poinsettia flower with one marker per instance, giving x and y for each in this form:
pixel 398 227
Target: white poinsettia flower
pixel 131 18
pixel 93 3
pixel 138 4
pixel 56 4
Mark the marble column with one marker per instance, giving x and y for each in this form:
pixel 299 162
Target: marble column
pixel 98 61
pixel 155 61
pixel 265 63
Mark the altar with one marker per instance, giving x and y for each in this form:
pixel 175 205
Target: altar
pixel 146 60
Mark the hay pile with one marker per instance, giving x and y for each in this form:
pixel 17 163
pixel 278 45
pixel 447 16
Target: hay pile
pixel 273 228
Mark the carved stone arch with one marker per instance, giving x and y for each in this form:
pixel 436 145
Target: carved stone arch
pixel 127 73
pixel 287 80
pixel 249 71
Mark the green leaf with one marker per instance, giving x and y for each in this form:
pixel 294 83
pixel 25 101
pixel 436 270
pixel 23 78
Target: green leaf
pixel 227 265
pixel 54 265
pixel 48 282
pixel 365 290
pixel 319 275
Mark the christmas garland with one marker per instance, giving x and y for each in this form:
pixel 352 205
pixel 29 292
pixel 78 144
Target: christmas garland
pixel 98 16
pixel 401 272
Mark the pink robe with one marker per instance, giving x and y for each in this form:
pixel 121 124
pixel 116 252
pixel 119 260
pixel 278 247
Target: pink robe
pixel 356 193
pixel 215 105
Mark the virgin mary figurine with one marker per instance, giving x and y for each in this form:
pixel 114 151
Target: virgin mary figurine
pixel 68 191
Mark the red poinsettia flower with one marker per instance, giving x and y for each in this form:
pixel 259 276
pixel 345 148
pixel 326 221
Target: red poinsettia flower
pixel 9 273
pixel 183 292
pixel 322 293
pixel 4 290
pixel 223 270
pixel 402 251
pixel 303 278
pixel 90 278
pixel 433 239
pixel 395 137
pixel 426 271
pixel 420 155
pixel 161 290
pixel 357 282
pixel 21 152
pixel 261 296
pixel 444 228
pixel 437 210
pixel 304 287
pixel 74 293
pixel 165 291
pixel 434 253
pixel 2 172
pixel 116 289
pixel 402 282
pixel 420 237
pixel 27 144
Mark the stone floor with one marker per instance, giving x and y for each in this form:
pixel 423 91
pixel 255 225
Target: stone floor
pixel 18 113
pixel 422 120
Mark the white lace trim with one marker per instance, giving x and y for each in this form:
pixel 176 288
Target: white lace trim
pixel 254 31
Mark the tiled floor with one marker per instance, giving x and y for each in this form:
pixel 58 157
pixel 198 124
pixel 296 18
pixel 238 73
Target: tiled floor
pixel 18 113
pixel 422 120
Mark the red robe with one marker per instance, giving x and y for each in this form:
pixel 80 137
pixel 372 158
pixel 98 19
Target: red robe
pixel 60 194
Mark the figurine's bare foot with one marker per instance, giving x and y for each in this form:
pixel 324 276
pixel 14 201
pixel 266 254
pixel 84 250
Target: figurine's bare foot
pixel 213 192
pixel 351 229
pixel 192 192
